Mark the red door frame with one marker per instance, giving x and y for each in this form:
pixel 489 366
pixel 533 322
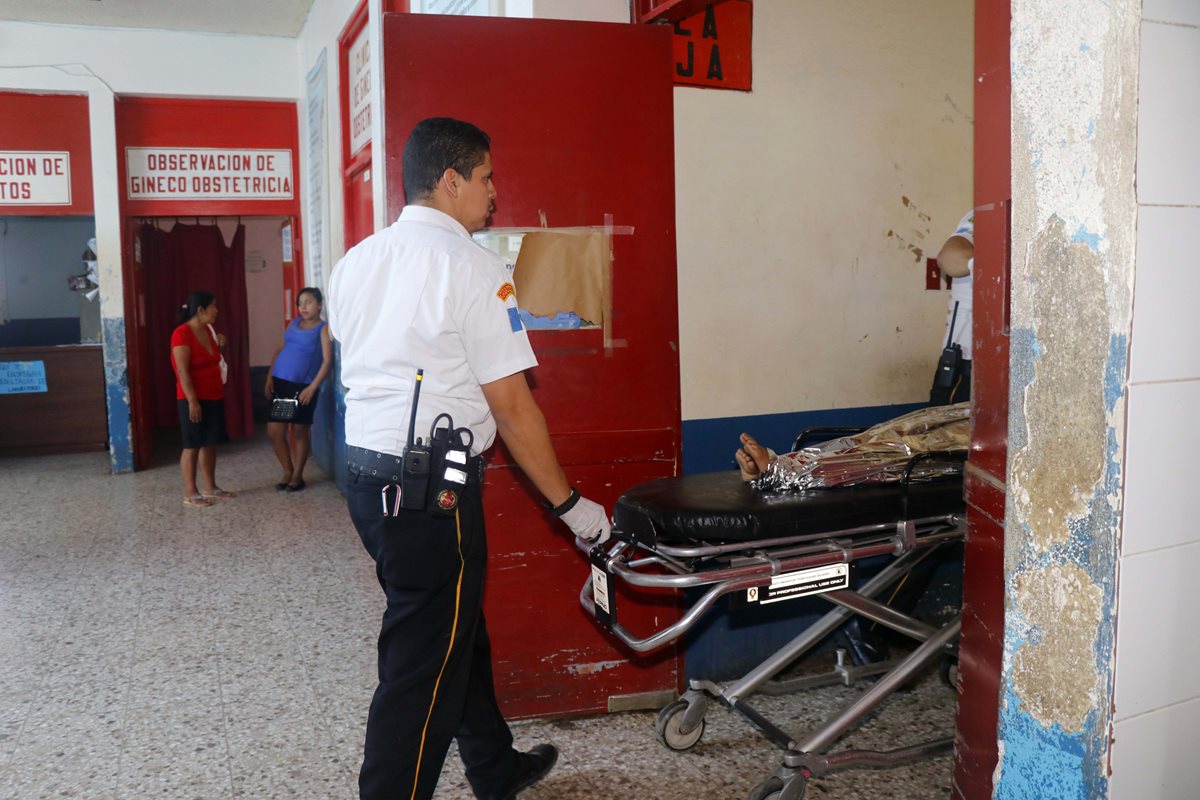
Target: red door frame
pixel 353 163
pixel 981 646
pixel 194 122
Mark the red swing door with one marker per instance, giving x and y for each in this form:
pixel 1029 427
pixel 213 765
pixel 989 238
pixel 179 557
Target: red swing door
pixel 582 128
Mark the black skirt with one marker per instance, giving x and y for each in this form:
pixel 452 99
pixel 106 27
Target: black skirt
pixel 209 430
pixel 290 390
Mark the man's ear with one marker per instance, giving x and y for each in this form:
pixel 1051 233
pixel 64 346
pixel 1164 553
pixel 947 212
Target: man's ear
pixel 450 182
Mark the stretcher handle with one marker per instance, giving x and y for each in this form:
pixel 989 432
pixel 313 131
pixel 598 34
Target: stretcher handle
pixel 959 456
pixel 825 433
pixel 956 456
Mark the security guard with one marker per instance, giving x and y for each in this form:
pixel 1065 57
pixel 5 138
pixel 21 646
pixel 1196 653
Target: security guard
pixel 421 295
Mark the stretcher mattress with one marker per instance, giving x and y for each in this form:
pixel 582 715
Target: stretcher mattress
pixel 720 507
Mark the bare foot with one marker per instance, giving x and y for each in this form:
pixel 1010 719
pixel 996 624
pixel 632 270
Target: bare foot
pixel 752 458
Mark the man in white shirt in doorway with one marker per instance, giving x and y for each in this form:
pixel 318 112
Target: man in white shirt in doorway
pixel 956 259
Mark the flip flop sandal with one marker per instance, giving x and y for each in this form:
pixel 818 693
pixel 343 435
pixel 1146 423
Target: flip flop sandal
pixel 197 501
pixel 220 494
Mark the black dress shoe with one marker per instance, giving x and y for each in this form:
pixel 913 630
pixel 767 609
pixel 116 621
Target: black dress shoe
pixel 281 487
pixel 533 766
pixel 296 487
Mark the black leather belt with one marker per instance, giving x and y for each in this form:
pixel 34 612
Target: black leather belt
pixel 361 461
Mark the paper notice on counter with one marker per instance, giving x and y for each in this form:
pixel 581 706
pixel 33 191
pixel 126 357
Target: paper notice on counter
pixel 558 273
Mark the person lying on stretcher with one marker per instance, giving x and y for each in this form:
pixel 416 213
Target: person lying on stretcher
pixel 877 455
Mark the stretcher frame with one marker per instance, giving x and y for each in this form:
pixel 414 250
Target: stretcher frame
pixel 754 564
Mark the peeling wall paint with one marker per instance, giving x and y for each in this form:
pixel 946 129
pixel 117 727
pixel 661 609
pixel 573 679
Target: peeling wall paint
pixel 1060 474
pixel 1074 69
pixel 116 381
pixel 1055 675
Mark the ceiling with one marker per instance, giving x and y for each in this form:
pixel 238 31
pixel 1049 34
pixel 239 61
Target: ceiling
pixel 262 17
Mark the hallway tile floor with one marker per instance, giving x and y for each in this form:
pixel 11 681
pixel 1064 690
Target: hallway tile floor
pixel 153 651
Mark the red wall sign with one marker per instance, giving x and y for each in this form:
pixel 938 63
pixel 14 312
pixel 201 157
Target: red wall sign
pixel 713 48
pixel 207 157
pixel 35 177
pixel 360 92
pixel 182 173
pixel 45 155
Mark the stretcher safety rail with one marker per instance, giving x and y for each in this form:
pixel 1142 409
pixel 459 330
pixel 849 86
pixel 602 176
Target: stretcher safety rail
pixel 755 565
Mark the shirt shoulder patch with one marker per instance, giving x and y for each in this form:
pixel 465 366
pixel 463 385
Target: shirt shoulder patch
pixel 506 291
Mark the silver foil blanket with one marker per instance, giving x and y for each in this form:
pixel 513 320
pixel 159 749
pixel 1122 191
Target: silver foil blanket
pixel 877 455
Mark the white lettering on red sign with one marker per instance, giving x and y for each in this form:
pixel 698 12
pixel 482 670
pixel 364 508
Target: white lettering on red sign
pixel 360 92
pixel 183 173
pixel 35 178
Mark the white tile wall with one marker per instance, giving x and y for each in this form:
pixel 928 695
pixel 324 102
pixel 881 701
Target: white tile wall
pixel 1184 12
pixel 1157 681
pixel 1154 756
pixel 1168 169
pixel 1162 505
pixel 1157 646
pixel 1166 328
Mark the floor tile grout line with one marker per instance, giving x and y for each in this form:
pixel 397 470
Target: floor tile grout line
pixel 137 628
pixel 225 723
pixel 37 693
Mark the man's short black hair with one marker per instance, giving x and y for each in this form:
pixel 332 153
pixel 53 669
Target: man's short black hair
pixel 438 144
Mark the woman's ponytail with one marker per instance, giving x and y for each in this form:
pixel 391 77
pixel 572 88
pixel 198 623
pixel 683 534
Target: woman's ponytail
pixel 195 301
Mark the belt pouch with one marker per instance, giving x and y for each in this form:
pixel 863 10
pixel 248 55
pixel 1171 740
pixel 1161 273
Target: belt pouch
pixel 449 473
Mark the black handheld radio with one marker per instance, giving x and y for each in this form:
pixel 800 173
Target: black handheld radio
pixel 949 365
pixel 415 476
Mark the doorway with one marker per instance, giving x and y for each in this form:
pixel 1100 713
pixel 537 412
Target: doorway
pixel 240 260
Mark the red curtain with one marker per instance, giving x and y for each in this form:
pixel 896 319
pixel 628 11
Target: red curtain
pixel 185 259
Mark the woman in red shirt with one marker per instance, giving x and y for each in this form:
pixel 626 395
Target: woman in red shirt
pixel 200 395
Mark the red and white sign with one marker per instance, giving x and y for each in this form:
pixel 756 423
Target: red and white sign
pixel 197 173
pixel 360 92
pixel 35 178
pixel 713 48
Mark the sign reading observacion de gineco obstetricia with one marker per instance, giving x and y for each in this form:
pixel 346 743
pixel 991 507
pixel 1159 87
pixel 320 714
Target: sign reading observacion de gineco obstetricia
pixel 196 173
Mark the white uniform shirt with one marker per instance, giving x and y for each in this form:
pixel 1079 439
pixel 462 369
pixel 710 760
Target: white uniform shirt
pixel 422 294
pixel 961 293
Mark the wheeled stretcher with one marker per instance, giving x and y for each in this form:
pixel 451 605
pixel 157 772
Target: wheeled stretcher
pixel 717 535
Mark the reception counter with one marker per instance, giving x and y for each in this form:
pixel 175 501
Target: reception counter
pixel 52 400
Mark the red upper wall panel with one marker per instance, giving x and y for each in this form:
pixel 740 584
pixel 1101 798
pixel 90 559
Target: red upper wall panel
pixel 649 11
pixel 45 154
pixel 250 130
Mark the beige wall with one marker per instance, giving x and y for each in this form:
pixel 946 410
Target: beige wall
pixel 264 288
pixel 792 294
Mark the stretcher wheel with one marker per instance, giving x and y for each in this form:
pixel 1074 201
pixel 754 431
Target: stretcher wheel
pixel 775 788
pixel 667 727
pixel 770 789
pixel 949 671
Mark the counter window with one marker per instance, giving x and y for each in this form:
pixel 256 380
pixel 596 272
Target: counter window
pixel 45 297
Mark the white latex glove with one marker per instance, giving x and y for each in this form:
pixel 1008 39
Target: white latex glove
pixel 588 521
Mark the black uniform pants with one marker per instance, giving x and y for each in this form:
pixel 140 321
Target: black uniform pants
pixel 435 661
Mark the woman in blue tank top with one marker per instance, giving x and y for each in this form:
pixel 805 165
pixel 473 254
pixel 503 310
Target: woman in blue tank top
pixel 299 366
